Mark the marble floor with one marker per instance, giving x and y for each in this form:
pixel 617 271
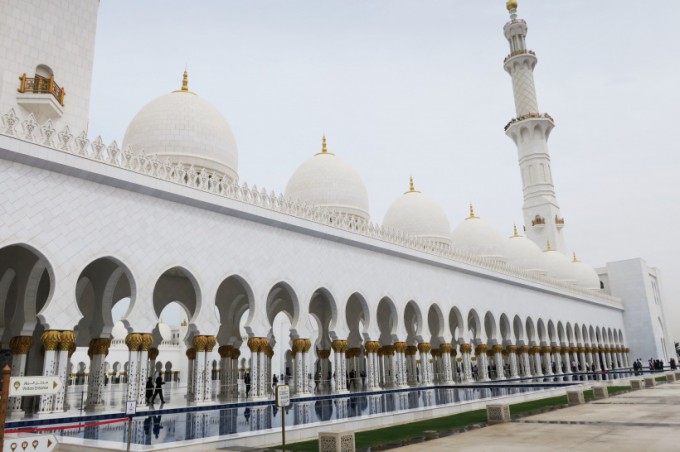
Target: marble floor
pixel 645 420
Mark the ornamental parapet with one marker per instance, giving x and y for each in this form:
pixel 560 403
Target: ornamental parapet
pixel 27 129
pixel 529 116
pixel 515 53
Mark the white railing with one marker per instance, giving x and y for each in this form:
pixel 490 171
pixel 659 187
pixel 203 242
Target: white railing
pixel 178 173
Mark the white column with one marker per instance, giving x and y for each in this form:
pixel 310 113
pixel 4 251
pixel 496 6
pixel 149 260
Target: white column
pixel 20 346
pixel 526 361
pixel 225 369
pixel 538 364
pixel 324 362
pixel 547 361
pixel 207 372
pixel 512 357
pixel 425 366
pixel 262 370
pixel 412 366
pixel 143 371
pixel 50 340
pixel 482 362
pixel 446 367
pixel 134 343
pixel 300 348
pixel 66 346
pixel 465 350
pixel 234 380
pixel 191 366
pixel 400 364
pixel 99 348
pixel 372 348
pixel 498 361
pixel 339 348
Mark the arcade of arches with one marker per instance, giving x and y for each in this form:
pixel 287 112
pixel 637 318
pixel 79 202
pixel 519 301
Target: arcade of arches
pixel 383 347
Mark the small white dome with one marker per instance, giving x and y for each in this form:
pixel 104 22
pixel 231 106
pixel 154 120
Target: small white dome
pixel 524 253
pixel 417 215
pixel 183 127
pixel 477 237
pixel 558 266
pixel 586 276
pixel 165 331
pixel 119 331
pixel 324 180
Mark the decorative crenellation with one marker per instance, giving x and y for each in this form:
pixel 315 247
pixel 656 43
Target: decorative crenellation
pixel 28 129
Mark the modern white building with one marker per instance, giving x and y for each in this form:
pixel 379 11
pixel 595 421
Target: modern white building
pixel 162 218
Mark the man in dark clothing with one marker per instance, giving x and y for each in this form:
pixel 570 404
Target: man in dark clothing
pixel 159 389
pixel 149 389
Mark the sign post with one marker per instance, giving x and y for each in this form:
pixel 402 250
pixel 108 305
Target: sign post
pixel 130 410
pixel 3 405
pixel 282 401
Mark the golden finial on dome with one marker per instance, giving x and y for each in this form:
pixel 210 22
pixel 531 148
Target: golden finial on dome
pixel 324 150
pixel 574 254
pixel 511 4
pixel 411 186
pixel 472 212
pixel 185 82
pixel 548 248
pixel 515 234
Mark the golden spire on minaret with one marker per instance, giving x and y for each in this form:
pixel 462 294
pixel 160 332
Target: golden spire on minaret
pixel 472 212
pixel 185 82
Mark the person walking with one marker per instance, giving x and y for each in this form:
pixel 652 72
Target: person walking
pixel 149 389
pixel 159 390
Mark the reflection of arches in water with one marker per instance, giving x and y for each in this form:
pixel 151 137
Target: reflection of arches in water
pixel 168 371
pixel 324 409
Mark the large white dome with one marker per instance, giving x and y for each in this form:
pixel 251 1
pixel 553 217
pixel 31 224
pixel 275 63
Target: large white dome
pixel 183 127
pixel 325 180
pixel 417 215
pixel 558 266
pixel 525 254
pixel 586 276
pixel 477 237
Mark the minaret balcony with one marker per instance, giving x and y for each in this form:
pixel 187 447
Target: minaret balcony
pixel 41 95
pixel 559 222
pixel 538 222
pixel 515 53
pixel 529 116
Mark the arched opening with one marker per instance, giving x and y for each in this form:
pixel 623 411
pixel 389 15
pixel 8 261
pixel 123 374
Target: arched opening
pixel 387 321
pixel 413 322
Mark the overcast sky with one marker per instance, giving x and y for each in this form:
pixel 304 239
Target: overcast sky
pixel 417 87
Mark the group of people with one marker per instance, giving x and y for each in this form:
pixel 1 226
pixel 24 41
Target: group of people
pixel 154 390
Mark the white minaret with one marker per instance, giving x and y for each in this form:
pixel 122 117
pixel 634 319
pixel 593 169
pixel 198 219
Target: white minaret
pixel 46 56
pixel 530 131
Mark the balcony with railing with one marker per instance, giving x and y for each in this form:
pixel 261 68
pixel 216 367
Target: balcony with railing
pixel 41 95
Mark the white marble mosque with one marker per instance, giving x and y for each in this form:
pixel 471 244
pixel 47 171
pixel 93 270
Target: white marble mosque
pixel 412 299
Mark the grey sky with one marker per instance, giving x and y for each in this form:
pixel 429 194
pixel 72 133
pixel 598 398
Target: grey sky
pixel 417 87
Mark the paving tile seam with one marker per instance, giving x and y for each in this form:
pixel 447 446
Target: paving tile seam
pixel 599 423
